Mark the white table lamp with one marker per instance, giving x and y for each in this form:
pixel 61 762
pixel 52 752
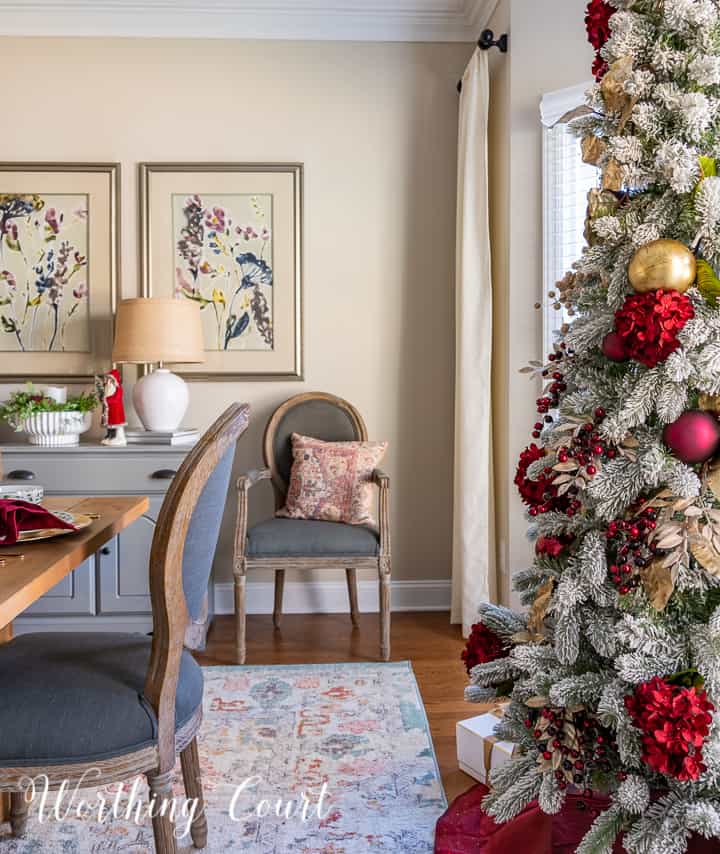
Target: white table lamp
pixel 159 331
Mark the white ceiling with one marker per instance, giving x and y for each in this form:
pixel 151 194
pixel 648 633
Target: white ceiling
pixel 347 20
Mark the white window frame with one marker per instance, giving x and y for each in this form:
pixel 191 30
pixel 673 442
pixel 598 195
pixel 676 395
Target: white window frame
pixel 553 106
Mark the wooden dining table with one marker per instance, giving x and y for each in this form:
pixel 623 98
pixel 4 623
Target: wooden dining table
pixel 29 570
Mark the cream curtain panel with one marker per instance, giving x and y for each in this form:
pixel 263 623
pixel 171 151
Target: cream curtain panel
pixel 473 571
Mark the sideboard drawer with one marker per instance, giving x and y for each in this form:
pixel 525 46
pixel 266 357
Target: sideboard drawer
pixel 93 473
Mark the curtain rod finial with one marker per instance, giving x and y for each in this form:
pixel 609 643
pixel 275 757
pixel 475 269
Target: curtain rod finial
pixel 487 40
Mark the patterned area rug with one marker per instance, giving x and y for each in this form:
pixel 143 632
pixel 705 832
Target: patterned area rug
pixel 352 738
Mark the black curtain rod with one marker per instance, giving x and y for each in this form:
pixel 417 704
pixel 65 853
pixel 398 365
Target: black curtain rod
pixel 486 41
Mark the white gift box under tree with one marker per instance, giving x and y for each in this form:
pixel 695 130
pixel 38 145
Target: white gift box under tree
pixel 478 749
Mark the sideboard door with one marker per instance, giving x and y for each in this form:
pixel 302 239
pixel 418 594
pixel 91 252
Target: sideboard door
pixel 123 566
pixel 74 596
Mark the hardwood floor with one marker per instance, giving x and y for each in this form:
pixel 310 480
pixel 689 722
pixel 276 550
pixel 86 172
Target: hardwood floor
pixel 426 639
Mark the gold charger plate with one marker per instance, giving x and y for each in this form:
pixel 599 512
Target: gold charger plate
pixel 80 520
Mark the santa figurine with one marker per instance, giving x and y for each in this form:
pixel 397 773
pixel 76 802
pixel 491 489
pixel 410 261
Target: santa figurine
pixel 110 392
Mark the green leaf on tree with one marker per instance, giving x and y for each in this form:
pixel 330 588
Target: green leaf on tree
pixel 707 282
pixel 708 166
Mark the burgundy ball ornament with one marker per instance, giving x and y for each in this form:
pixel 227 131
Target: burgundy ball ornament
pixel 613 348
pixel 694 437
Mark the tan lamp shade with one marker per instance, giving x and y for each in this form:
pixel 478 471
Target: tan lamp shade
pixel 158 329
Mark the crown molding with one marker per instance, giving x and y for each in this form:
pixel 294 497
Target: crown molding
pixel 307 20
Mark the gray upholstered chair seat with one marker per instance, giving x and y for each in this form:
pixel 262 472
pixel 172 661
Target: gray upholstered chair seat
pixel 70 697
pixel 309 538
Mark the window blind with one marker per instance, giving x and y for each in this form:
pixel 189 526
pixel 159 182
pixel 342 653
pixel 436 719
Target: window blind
pixel 566 182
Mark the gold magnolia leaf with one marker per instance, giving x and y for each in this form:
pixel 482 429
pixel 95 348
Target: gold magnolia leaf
pixel 658 583
pixel 682 504
pixel 709 402
pixel 712 479
pixel 706 556
pixel 627 111
pixel 575 113
pixel 670 541
pixel 568 466
pixel 671 558
pixel 593 149
pixel 537 702
pixel 539 607
pixel 612 178
pixel 526 637
pixel 565 428
pixel 601 203
pixel 612 86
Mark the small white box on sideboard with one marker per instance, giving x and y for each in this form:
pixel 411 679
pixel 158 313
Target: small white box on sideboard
pixel 188 436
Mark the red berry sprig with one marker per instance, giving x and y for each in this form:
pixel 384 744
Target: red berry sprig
pixel 572 743
pixel 628 539
pixel 557 385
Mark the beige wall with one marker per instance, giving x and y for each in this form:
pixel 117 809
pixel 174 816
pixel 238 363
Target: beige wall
pixel 547 52
pixel 375 125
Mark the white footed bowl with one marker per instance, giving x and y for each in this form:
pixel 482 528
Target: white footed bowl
pixel 54 429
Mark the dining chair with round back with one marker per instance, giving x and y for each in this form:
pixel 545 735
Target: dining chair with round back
pixel 96 708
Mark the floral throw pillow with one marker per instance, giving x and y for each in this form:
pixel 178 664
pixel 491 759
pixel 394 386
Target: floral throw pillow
pixel 332 481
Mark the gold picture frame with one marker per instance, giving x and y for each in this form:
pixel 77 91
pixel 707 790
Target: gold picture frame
pixel 59 269
pixel 229 237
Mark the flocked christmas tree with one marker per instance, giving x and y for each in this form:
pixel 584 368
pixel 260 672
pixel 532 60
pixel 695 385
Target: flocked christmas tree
pixel 614 673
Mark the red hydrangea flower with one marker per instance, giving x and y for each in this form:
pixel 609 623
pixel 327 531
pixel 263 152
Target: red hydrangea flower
pixel 482 646
pixel 599 67
pixel 532 491
pixel 674 722
pixel 552 546
pixel 597 24
pixel 649 324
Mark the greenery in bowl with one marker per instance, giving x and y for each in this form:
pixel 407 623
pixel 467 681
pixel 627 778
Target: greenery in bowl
pixel 23 404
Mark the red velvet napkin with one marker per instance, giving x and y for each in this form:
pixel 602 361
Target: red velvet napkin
pixel 465 829
pixel 17 516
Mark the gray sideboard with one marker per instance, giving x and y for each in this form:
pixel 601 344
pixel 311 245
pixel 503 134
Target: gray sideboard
pixel 110 591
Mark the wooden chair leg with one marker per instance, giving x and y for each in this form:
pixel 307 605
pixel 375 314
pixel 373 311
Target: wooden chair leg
pixel 192 777
pixel 279 588
pixel 351 576
pixel 18 813
pixel 163 826
pixel 384 571
pixel 240 577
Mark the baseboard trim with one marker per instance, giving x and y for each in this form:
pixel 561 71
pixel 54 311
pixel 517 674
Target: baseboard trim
pixel 301 597
pixel 68 623
pixel 331 597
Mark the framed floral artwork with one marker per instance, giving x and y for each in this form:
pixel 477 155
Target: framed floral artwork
pixel 59 235
pixel 228 236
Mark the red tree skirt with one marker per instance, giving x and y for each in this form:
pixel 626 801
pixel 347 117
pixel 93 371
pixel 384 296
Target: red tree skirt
pixel 465 829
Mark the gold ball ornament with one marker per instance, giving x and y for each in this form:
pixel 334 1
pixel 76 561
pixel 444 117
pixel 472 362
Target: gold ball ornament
pixel 665 264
